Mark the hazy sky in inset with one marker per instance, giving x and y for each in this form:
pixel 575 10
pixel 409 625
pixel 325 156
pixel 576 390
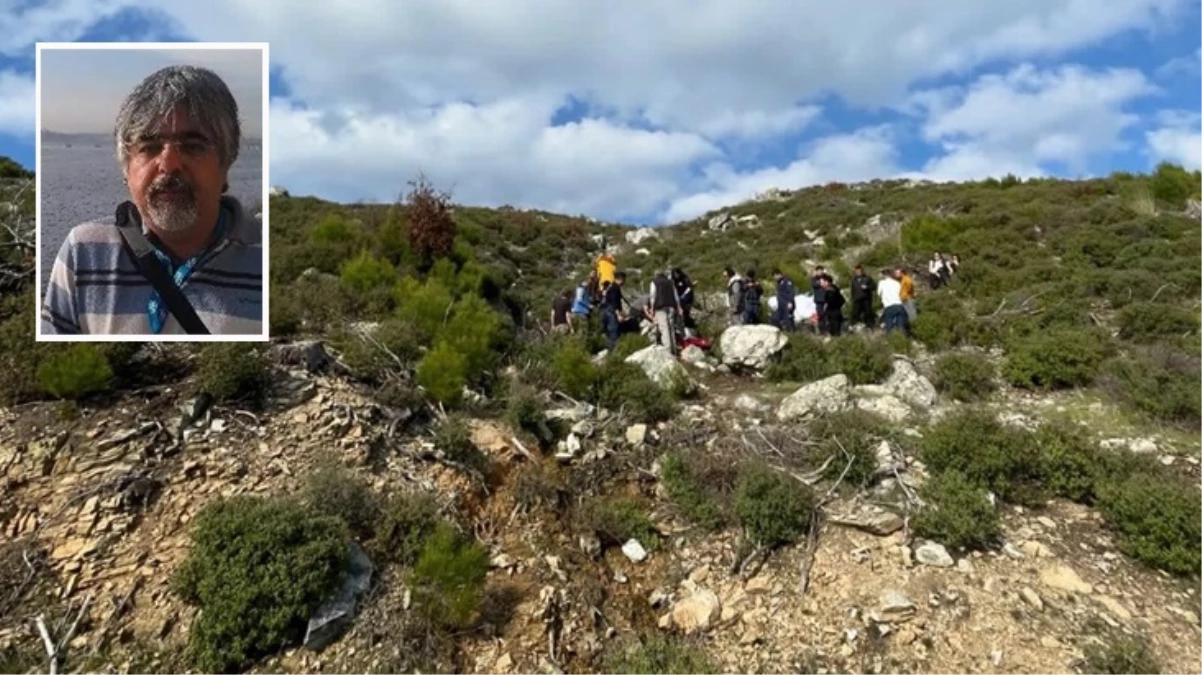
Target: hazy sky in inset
pixel 82 89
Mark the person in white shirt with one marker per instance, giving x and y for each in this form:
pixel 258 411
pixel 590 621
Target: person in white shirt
pixel 894 314
pixel 939 271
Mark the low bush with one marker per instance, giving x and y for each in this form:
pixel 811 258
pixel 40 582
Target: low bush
pixel 659 654
pixel 847 441
pixel 986 452
pixel 1056 359
pixel 1158 518
pixel 406 520
pixel 257 570
pixel 333 490
pixel 233 371
pixel 1160 383
pixel 448 577
pixel 863 359
pixel 1073 466
pixel 965 377
pixel 957 513
pixel 454 438
pixel 625 386
pixel 698 487
pixel 619 520
pixel 1121 655
pixel 76 371
pixel 443 372
pixel 574 369
pixel 772 508
pixel 1149 321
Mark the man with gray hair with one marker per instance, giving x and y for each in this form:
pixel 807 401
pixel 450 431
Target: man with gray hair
pixel 182 256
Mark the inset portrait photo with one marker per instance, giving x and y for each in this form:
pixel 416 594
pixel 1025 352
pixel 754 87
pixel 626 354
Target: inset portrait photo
pixel 152 168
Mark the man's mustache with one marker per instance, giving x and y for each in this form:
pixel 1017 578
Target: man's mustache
pixel 172 183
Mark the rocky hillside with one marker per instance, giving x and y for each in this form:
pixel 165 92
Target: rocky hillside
pixel 414 477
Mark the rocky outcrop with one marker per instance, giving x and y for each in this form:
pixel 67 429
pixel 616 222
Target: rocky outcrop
pixel 659 364
pixel 829 395
pixel 751 346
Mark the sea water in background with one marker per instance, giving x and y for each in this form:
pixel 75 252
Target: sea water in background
pixel 83 182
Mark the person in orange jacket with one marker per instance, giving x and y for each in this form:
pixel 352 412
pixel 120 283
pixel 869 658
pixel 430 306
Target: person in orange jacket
pixel 907 293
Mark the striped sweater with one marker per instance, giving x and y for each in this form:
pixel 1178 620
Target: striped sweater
pixel 96 288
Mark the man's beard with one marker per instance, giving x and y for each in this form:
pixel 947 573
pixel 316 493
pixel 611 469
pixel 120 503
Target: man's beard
pixel 171 203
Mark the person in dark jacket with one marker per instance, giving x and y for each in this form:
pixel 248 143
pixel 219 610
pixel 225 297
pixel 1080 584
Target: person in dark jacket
pixel 819 297
pixel 786 296
pixel 753 293
pixel 662 308
pixel 863 290
pixel 684 292
pixel 833 302
pixel 611 308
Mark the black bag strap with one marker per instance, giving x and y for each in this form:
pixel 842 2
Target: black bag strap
pixel 129 224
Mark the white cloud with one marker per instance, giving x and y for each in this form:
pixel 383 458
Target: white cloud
pixel 1178 139
pixel 1026 118
pixel 497 153
pixel 863 155
pixel 1187 66
pixel 17 104
pixel 380 88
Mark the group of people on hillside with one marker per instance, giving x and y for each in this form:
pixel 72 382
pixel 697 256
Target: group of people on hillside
pixel 668 304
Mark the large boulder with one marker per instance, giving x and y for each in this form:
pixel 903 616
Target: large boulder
pixel 751 346
pixel 829 395
pixel 640 235
pixel 659 364
pixel 907 384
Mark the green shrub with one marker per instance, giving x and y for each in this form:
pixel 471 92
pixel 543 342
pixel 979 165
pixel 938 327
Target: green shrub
pixel 659 654
pixel 619 520
pixel 957 513
pixel 1172 185
pixel 1073 465
pixel 74 372
pixel 1158 518
pixel 475 331
pixel 773 509
pixel 988 453
pixel 627 345
pixel 406 520
pixel 333 490
pixel 863 359
pixel 365 273
pixel 442 372
pixel 371 358
pixel 851 436
pixel 692 484
pixel 524 412
pixel 625 386
pixel 965 377
pixel 944 322
pixel 233 370
pixel 448 577
pixel 1121 655
pixel 257 570
pixel 454 438
pixel 574 370
pixel 427 306
pixel 1161 383
pixel 1148 321
pixel 1057 359
pixel 286 312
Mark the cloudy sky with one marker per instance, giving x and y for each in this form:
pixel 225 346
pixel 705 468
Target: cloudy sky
pixel 82 89
pixel 655 111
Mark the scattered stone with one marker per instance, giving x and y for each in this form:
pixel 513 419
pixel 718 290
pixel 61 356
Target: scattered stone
pixel 634 550
pixel 877 521
pixel 1009 551
pixel 1115 607
pixel 757 585
pixel 751 404
pixel 590 544
pixel 964 565
pixel 1064 578
pixel 1046 522
pixel 895 606
pixel 934 555
pixel 336 612
pixel 1031 597
pixel 829 395
pixel 697 612
pixel 1035 549
pixel 636 434
pixel 1141 446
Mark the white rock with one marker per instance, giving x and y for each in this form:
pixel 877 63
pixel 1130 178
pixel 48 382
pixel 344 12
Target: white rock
pixel 634 550
pixel 829 395
pixel 888 407
pixel 908 385
pixel 640 235
pixel 1141 445
pixel 934 555
pixel 659 364
pixel 697 612
pixel 751 346
pixel 751 404
pixel 636 434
